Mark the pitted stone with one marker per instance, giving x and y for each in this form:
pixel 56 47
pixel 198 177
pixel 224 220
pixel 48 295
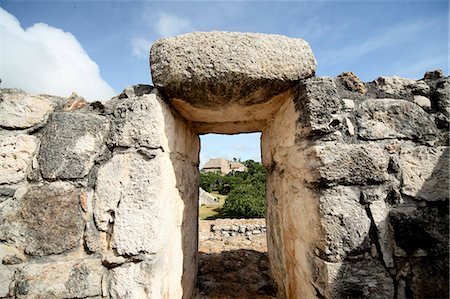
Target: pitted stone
pixel 70 145
pixel 214 69
pixel 19 110
pixel 16 154
pixel 53 219
pixel 390 118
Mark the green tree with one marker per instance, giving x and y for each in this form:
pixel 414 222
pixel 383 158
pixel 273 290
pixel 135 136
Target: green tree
pixel 245 190
pixel 245 201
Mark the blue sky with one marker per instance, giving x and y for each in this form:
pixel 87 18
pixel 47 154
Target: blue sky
pixel 99 47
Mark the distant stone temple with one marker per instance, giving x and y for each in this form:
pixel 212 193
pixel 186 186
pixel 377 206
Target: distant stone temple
pixel 223 166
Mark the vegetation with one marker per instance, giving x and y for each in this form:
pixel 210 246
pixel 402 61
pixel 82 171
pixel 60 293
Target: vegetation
pixel 245 190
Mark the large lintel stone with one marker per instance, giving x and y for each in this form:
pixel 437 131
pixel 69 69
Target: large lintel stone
pixel 214 70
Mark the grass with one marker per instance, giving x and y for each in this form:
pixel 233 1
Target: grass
pixel 210 212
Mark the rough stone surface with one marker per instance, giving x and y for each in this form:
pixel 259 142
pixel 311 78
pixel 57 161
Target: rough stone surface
pixel 349 164
pixel 422 101
pixel 319 106
pixel 401 87
pixel 389 118
pixel 74 102
pixel 207 69
pixel 423 229
pixel 128 190
pixel 379 211
pixel 19 110
pixel 70 145
pixel 356 279
pixel 136 280
pixel 67 279
pixel 425 172
pixel 441 97
pixel 52 218
pixel 344 221
pixel 352 82
pixel 140 121
pixel 16 154
pixel 6 280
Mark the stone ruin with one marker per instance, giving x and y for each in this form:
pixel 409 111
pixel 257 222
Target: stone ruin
pixel 100 200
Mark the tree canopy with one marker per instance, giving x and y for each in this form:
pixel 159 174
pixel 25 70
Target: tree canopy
pixel 245 190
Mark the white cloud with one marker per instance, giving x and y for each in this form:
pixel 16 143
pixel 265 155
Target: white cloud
pixel 170 25
pixel 140 47
pixel 163 25
pixel 45 59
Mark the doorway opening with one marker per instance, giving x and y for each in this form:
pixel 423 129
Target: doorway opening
pixel 232 256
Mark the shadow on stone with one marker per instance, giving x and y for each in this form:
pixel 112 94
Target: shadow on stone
pixel 235 274
pixel 411 244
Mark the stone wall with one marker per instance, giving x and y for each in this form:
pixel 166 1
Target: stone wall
pixel 96 200
pixel 358 196
pixel 101 200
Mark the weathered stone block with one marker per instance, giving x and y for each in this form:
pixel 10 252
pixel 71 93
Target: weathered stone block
pixel 141 121
pixel 64 279
pixel 132 197
pixel 16 154
pixel 319 105
pixel 19 110
pixel 348 164
pixel 52 218
pixel 137 280
pixel 6 280
pixel 389 118
pixel 344 221
pixel 400 87
pixel 422 229
pixel 441 97
pixel 207 69
pixel 425 172
pixel 70 144
pixel 380 215
pixel 430 277
pixel 354 279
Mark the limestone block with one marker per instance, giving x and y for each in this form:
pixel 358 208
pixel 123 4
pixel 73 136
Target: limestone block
pixel 430 277
pixel 344 221
pixel 70 144
pixel 16 154
pixel 389 118
pixel 6 279
pixel 397 86
pixel 422 101
pixel 136 280
pixel 62 279
pixel 319 105
pixel 141 121
pixel 441 97
pixel 10 255
pixel 425 172
pixel 348 164
pixel 211 69
pixel 354 279
pixel 418 231
pixel 380 214
pixel 19 110
pixel 132 199
pixel 52 218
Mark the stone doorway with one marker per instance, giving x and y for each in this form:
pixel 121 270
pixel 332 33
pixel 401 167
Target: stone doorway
pixel 232 258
